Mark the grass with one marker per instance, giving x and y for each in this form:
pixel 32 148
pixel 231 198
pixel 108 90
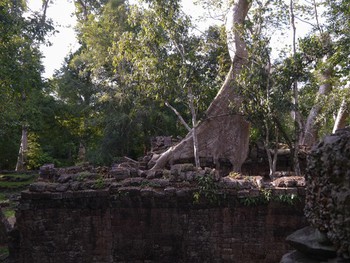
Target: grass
pixel 4 252
pixel 2 197
pixel 11 184
pixel 16 181
pixel 9 212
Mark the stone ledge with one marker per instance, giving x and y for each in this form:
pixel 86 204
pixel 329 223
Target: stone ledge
pixel 307 241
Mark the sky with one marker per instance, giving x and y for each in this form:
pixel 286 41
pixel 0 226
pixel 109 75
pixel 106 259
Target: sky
pixel 64 42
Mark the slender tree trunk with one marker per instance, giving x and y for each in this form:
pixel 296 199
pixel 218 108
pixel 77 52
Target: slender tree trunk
pixel 311 130
pixel 275 152
pixel 343 114
pixel 194 125
pixel 271 154
pixel 222 134
pixel 23 149
pixel 82 152
pixel 267 147
pixel 296 113
pixel 272 159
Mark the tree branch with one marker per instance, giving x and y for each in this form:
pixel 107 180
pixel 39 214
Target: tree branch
pixel 178 115
pixel 304 21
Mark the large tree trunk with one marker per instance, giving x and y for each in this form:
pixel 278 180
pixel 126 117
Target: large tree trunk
pixel 222 134
pixel 343 114
pixel 23 149
pixel 311 129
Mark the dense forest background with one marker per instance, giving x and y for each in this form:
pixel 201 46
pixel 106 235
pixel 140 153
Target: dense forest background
pixel 141 66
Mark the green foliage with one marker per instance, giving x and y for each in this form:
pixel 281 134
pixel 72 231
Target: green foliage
pixel 4 252
pixel 207 189
pixel 112 90
pixel 20 80
pixel 82 176
pixel 100 183
pixel 251 201
pixel 109 95
pixel 36 156
pixel 338 16
pixel 9 213
pixel 11 185
pixel 266 196
pixel 289 199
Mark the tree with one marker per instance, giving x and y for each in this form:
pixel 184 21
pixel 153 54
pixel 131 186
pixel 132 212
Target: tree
pixel 260 97
pixel 342 115
pixel 325 72
pixel 324 49
pixel 151 59
pixel 127 114
pixel 77 92
pixel 319 49
pixel 21 66
pixel 221 134
pixel 338 16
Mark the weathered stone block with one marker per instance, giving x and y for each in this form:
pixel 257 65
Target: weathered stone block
pixel 119 173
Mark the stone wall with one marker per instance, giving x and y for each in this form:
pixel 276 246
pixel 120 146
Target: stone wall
pixel 154 221
pixel 328 189
pixel 327 205
pixel 4 228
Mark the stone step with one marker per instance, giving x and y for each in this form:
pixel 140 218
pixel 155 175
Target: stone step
pixel 312 243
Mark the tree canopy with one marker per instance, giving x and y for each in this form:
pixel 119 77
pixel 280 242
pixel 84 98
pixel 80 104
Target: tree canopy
pixel 138 61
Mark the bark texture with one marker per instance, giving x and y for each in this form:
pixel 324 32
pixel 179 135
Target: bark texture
pixel 311 129
pixel 343 114
pixel 221 134
pixel 23 149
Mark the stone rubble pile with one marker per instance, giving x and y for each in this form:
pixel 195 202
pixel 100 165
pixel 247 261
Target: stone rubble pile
pixel 160 144
pixel 76 178
pixel 179 177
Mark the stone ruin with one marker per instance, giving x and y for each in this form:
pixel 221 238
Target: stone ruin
pixel 94 197
pixel 124 213
pixel 327 207
pixel 162 216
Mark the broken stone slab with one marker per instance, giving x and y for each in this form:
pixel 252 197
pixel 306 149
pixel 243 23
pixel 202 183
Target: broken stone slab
pixel 64 178
pixel 312 243
pixel 119 173
pixel 38 187
pixel 176 169
pixel 297 257
pixel 290 181
pixel 48 172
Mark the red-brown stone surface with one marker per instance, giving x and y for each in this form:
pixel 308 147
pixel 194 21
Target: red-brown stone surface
pixel 143 224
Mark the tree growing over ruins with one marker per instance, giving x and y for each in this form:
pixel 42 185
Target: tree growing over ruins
pixel 140 58
pixel 223 133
